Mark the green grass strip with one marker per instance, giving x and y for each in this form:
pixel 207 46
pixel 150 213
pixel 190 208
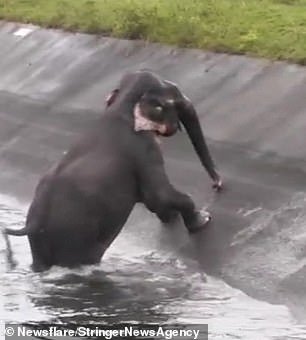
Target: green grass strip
pixel 274 29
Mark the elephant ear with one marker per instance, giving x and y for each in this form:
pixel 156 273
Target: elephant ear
pixel 189 118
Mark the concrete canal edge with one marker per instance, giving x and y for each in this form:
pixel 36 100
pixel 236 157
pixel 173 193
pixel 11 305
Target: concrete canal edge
pixel 53 85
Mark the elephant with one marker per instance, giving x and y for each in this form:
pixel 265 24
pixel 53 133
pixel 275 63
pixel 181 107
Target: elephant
pixel 82 203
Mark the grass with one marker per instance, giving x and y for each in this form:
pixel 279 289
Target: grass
pixel 274 29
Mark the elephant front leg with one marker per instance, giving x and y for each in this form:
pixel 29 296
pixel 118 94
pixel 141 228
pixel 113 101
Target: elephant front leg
pixel 168 216
pixel 165 201
pixel 160 197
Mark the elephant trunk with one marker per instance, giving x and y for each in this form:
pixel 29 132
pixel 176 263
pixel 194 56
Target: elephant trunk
pixel 190 120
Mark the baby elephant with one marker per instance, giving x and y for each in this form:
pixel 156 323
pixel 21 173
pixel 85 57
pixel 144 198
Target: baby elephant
pixel 82 203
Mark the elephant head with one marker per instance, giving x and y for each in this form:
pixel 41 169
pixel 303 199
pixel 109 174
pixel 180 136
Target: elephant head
pixel 159 105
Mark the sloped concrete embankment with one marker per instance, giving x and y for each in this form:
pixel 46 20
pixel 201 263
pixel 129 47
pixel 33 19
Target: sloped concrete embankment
pixel 53 85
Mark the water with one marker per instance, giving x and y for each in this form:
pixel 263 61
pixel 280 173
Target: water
pixel 140 279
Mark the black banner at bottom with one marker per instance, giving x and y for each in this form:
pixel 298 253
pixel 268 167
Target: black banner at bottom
pixel 107 332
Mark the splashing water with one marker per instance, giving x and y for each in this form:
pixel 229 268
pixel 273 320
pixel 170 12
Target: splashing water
pixel 136 281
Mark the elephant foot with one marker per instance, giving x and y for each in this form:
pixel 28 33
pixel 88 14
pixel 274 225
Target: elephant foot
pixel 200 220
pixel 169 217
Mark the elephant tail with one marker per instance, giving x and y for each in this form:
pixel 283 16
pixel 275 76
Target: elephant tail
pixel 19 232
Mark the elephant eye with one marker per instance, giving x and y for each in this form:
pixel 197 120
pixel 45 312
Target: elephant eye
pixel 159 112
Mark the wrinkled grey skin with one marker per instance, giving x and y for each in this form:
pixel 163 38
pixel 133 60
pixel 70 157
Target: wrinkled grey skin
pixel 82 203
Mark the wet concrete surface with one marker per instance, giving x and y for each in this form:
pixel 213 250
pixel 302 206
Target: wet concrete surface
pixel 53 86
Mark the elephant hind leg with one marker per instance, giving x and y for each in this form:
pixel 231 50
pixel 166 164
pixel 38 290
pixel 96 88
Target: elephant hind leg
pixel 41 252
